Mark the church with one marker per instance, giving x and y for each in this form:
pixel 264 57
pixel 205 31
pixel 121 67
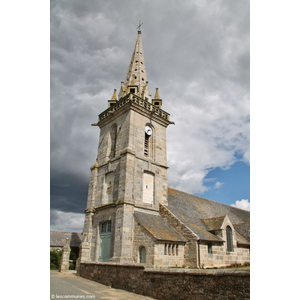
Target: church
pixel 132 216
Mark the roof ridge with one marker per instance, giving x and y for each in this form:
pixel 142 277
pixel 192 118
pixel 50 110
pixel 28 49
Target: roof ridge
pixel 208 199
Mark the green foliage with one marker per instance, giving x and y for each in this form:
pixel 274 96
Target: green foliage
pixel 73 255
pixel 55 257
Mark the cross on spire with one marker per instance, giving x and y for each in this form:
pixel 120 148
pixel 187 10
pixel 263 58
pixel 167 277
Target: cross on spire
pixel 139 27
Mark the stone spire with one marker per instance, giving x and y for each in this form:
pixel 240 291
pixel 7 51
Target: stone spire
pixel 136 78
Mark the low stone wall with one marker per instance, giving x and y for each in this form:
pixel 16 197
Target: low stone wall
pixel 175 284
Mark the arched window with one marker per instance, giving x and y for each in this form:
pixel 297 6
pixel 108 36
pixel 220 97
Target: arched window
pixel 142 255
pixel 229 239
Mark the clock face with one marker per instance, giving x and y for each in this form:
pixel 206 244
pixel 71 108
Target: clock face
pixel 148 130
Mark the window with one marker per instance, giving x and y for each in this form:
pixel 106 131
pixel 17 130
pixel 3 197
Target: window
pixel 146 145
pixel 171 250
pixel 229 239
pixel 132 90
pixel 148 187
pixel 209 248
pixel 106 227
pixel 142 255
pixel 113 140
pixel 107 196
pixel 156 103
pixel 148 141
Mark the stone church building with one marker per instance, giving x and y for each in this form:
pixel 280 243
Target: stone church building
pixel 132 217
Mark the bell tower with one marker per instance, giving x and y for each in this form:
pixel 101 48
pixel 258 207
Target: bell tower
pixel 130 173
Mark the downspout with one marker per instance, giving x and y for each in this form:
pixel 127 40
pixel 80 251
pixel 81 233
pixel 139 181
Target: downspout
pixel 199 254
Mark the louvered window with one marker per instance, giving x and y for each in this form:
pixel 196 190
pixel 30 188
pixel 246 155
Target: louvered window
pixel 146 145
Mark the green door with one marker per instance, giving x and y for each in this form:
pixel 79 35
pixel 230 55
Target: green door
pixel 105 241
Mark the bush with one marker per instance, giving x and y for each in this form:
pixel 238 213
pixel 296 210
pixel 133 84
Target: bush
pixel 55 257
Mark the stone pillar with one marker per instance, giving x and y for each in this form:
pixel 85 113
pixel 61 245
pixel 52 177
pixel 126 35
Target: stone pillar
pixel 65 257
pixel 84 253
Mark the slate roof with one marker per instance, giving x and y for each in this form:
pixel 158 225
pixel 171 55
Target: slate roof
pixel 201 215
pixel 156 226
pixel 240 239
pixel 58 238
pixel 243 229
pixel 214 223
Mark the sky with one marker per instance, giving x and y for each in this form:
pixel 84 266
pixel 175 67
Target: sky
pixel 196 52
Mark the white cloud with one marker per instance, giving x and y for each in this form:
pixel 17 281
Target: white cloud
pixel 242 204
pixel 62 221
pixel 218 184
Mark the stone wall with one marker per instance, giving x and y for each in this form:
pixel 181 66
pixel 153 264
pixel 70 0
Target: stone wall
pixel 175 284
pixel 220 256
pixel 190 248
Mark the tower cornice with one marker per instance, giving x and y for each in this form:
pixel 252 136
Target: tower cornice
pixel 132 101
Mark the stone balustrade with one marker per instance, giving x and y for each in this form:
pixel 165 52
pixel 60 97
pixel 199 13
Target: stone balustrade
pixel 137 100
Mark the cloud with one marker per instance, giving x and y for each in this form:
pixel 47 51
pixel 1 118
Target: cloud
pixel 218 184
pixel 62 221
pixel 242 204
pixel 197 53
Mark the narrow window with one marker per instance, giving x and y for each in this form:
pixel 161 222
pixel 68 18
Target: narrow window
pixel 176 250
pixel 148 187
pixel 146 145
pixel 229 239
pixel 209 248
pixel 113 140
pixel 132 90
pixel 166 249
pixel 142 255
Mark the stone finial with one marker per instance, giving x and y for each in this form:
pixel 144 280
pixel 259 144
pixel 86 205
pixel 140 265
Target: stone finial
pixel 85 235
pixel 64 263
pixel 114 96
pixel 156 94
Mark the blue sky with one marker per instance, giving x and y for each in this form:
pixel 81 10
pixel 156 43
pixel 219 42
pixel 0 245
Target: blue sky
pixel 229 185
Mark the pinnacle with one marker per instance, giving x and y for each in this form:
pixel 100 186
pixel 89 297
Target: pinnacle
pixel 136 73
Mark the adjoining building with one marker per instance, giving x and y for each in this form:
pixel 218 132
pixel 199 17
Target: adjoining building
pixel 131 215
pixel 58 240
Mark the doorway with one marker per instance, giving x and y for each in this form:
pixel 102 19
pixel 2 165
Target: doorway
pixel 105 241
